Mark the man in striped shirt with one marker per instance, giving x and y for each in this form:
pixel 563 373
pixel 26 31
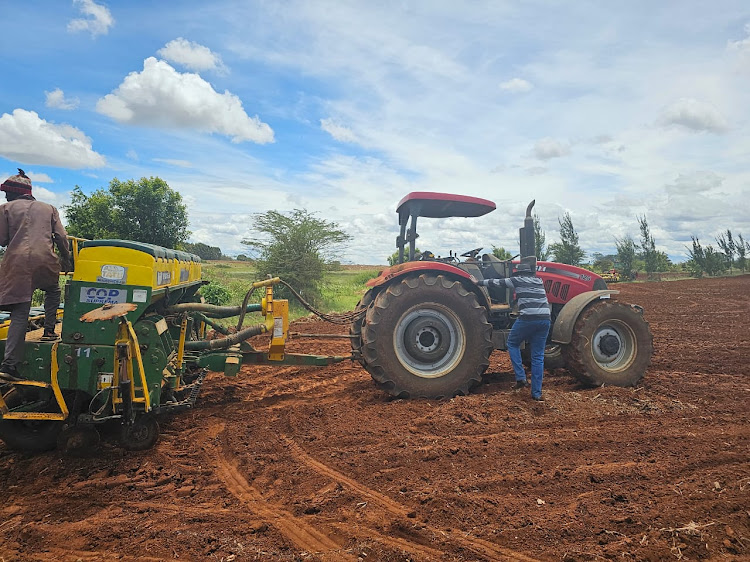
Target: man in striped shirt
pixel 532 325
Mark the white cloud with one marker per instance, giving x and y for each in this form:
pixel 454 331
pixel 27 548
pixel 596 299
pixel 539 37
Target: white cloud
pixel 192 56
pixel 56 98
pixel 536 170
pixel 98 18
pixel 162 97
pixel 695 183
pixel 435 97
pixel 27 138
pixel 178 163
pixel 742 46
pixel 39 178
pixel 338 132
pixel 695 115
pixel 547 148
pixel 132 155
pixel 516 86
pixel 56 199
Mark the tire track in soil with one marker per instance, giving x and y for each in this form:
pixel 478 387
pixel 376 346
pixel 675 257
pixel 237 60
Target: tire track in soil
pixel 401 544
pixel 278 399
pixel 479 546
pixel 181 509
pixel 63 555
pixel 304 536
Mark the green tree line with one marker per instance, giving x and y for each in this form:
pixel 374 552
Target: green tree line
pixel 297 246
pixel 632 255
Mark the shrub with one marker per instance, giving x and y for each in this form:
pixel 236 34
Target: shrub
pixel 215 293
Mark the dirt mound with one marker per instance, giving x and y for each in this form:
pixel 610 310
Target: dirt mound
pixel 290 463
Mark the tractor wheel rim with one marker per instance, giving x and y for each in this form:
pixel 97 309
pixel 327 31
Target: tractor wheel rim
pixel 429 342
pixel 614 346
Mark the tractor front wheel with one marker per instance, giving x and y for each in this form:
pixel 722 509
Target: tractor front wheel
pixel 426 337
pixel 612 345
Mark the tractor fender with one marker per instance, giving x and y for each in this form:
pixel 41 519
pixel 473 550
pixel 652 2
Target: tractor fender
pixel 562 331
pixel 394 274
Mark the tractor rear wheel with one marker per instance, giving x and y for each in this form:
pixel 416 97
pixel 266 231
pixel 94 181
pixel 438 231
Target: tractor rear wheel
pixel 426 337
pixel 355 330
pixel 34 436
pixel 611 345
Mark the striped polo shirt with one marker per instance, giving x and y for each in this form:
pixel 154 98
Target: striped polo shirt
pixel 532 299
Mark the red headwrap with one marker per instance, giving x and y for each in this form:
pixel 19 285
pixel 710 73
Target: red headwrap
pixel 17 184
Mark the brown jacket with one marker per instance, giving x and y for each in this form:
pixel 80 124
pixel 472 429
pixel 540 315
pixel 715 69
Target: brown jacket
pixel 27 228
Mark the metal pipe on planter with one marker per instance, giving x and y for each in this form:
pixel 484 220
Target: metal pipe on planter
pixel 223 343
pixel 212 310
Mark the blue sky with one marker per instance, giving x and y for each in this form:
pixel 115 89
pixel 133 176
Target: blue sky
pixel 606 111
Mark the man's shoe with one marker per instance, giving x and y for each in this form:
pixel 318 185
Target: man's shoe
pixel 520 385
pixel 49 336
pixel 539 398
pixel 9 374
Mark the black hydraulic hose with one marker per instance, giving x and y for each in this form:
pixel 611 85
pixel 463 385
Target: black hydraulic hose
pixel 243 308
pixel 211 310
pixel 218 327
pixel 344 318
pixel 223 343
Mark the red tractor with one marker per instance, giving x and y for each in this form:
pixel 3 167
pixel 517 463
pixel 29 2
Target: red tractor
pixel 429 328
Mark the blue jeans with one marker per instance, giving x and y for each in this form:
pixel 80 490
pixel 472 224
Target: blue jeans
pixel 535 332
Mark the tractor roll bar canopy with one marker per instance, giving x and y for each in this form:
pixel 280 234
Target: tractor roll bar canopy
pixel 434 205
pixel 441 205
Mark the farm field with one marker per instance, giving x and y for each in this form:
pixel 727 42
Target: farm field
pixel 314 463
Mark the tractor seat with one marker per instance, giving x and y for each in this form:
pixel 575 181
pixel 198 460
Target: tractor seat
pixel 493 267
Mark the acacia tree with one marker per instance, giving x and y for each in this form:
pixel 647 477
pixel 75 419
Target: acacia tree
pixel 727 246
pixel 567 250
pixel 648 248
pixel 600 262
pixel 542 253
pixel 144 211
pixel 626 256
pixel 298 247
pixel 697 262
pixel 393 258
pixel 706 259
pixel 501 253
pixel 741 247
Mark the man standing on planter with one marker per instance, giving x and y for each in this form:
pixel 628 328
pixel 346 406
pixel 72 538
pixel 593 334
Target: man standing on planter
pixel 28 228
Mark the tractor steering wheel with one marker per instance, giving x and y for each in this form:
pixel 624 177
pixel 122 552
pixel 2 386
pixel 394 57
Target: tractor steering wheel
pixel 472 253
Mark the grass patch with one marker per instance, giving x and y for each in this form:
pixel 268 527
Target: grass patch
pixel 340 290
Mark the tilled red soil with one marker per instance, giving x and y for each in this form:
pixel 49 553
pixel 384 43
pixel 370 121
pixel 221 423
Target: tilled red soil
pixel 289 463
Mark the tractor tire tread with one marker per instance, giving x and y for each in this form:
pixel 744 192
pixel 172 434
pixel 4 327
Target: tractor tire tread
pixel 397 384
pixel 577 354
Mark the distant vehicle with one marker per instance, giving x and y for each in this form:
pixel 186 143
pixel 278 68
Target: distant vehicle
pixel 611 276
